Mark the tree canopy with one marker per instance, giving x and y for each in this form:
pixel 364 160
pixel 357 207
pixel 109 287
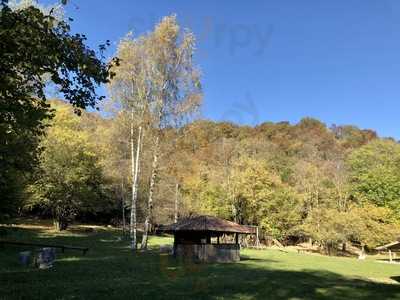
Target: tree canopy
pixel 36 49
pixel 69 180
pixel 296 182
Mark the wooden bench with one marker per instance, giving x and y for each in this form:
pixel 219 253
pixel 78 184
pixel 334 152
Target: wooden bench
pixel 62 247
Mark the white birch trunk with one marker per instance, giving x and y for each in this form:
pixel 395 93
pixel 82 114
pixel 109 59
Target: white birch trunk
pixel 132 227
pixel 135 177
pixel 149 217
pixel 123 210
pixel 176 202
pixel 137 162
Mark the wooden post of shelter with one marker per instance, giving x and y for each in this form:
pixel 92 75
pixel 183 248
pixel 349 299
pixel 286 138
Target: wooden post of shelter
pixel 391 248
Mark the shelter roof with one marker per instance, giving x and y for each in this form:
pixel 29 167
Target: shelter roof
pixel 207 223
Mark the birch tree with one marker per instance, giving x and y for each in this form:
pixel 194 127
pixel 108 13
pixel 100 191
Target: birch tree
pixel 175 90
pixel 130 91
pixel 158 84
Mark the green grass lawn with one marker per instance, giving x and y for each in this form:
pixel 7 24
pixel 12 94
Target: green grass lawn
pixel 111 271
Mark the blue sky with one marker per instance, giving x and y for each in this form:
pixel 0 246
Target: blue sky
pixel 338 61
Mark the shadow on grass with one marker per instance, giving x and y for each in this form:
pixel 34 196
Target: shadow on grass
pixel 249 258
pixel 110 272
pixel 153 276
pixel 96 242
pixel 395 278
pixel 395 260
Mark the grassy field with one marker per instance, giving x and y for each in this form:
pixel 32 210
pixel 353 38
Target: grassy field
pixel 111 271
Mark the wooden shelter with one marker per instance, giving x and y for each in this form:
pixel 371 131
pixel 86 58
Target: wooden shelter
pixel 391 247
pixel 193 235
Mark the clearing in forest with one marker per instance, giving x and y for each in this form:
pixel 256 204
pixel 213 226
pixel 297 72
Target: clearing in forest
pixel 110 271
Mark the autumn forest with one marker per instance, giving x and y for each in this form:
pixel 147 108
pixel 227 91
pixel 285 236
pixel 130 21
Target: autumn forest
pixel 147 157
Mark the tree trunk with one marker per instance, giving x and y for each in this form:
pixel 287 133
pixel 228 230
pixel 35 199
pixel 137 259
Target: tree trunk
pixel 362 252
pixel 135 171
pixel 132 227
pixel 60 219
pixel 176 202
pixel 60 224
pixel 123 210
pixel 149 217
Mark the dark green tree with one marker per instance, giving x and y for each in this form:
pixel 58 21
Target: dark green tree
pixel 35 46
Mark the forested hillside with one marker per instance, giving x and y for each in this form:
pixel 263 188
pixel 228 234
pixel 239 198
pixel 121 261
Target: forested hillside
pixel 150 159
pixel 117 182
pixel 294 181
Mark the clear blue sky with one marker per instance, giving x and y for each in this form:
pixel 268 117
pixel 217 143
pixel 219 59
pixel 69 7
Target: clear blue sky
pixel 338 61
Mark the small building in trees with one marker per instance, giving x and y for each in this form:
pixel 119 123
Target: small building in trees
pixel 200 238
pixel 390 248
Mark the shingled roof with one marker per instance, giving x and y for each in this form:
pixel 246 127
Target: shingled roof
pixel 207 223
